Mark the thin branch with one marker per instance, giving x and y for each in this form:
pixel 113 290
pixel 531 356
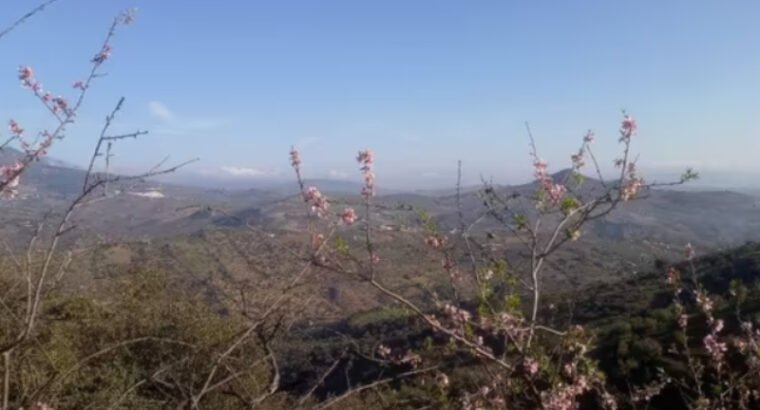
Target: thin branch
pixel 21 20
pixel 373 385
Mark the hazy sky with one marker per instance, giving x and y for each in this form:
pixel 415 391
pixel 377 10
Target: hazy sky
pixel 423 83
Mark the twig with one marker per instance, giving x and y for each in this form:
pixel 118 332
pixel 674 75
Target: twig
pixel 373 385
pixel 26 17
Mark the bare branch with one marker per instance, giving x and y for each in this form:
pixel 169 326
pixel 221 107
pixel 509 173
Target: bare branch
pixel 25 17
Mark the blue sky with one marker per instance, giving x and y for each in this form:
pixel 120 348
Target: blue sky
pixel 423 83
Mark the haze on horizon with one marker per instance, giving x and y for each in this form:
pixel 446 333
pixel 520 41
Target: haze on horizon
pixel 423 84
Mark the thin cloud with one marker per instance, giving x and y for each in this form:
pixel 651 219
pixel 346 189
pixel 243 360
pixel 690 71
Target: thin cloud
pixel 246 172
pixel 333 174
pixel 160 111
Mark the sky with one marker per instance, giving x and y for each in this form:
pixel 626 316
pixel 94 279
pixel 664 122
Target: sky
pixel 422 83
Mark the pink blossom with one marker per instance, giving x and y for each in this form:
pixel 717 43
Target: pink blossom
pixel 60 104
pixel 672 276
pixel 442 379
pixel 15 128
pixel 311 193
pixel 348 216
pixel 10 174
pixel 715 348
pixel 629 124
pixel 631 188
pixel 627 127
pixel 531 366
pixel 457 315
pixel 319 203
pixel 78 85
pixel 555 192
pixel 683 320
pixel 689 252
pixel 103 55
pixel 717 326
pixel 25 73
pixel 589 137
pixel 383 351
pixel 366 158
pixel 434 242
pixel 317 240
pixel 704 303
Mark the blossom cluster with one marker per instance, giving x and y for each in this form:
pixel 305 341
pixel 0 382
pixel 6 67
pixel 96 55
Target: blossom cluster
pixel 319 203
pixel 633 183
pixel 57 105
pixel 10 175
pixel 554 192
pixel 366 159
pixel 627 128
pixel 578 159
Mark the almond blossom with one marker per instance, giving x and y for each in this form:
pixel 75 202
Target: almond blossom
pixel 102 55
pixel 319 203
pixel 689 252
pixel 10 175
pixel 348 216
pixel 366 158
pixel 627 128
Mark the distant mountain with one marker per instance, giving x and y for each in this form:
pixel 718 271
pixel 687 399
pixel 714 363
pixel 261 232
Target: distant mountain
pixel 666 219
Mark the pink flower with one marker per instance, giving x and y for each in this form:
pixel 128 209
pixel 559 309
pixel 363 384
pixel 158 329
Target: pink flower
pixel 705 303
pixel 627 128
pixel 556 192
pixel 715 348
pixel 689 252
pixel 10 174
pixel 60 104
pixel 319 203
pixel 103 55
pixel 577 159
pixel 589 137
pixel 683 320
pixel 672 276
pixel 375 259
pixel 365 157
pixel 317 240
pixel 26 75
pixel 629 124
pixel 631 188
pixel 311 193
pixel 15 128
pixel 442 379
pixel 434 242
pixel 717 326
pixel 383 351
pixel 531 366
pixel 78 85
pixel 348 216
